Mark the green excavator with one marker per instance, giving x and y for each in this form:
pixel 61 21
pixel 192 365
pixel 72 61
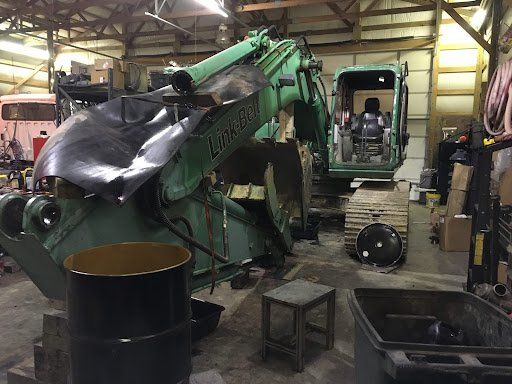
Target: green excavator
pixel 221 161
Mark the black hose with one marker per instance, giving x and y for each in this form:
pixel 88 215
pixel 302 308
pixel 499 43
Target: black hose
pixel 276 32
pixel 306 44
pixel 168 222
pixel 190 231
pixel 326 107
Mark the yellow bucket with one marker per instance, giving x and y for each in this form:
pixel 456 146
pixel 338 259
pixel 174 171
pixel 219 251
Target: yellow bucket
pixel 433 200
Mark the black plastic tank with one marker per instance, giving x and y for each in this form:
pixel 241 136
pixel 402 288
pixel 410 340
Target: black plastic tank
pixel 129 314
pixel 423 337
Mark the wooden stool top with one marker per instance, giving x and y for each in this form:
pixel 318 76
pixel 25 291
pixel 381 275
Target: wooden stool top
pixel 299 293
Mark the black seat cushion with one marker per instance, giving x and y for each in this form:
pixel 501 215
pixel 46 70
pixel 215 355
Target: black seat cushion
pixel 372 105
pixel 368 122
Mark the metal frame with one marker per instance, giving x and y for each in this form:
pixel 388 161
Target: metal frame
pixel 300 326
pixel 482 261
pixel 91 94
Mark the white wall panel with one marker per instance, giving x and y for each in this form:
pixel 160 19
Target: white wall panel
pixel 419 81
pixel 418 60
pixel 456 80
pixel 331 62
pixel 313 10
pixel 417 127
pixel 376 58
pixel 416 148
pixel 418 104
pixel 6 88
pixel 311 27
pixel 410 170
pixel 458 58
pixel 455 104
pixel 391 33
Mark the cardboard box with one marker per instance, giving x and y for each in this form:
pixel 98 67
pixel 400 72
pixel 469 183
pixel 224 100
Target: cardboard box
pixel 454 234
pixel 456 202
pixel 81 69
pixel 502 272
pixel 100 64
pixel 505 188
pixel 136 78
pixel 461 178
pixel 435 217
pixel 99 77
pixel 125 66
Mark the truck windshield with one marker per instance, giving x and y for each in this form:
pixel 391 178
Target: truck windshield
pixel 28 112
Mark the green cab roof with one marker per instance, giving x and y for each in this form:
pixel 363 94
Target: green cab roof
pixel 369 67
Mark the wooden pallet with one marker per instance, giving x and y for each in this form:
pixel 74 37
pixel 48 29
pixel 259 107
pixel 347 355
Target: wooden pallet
pixel 377 202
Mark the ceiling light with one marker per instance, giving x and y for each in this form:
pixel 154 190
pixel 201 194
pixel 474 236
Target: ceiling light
pixel 21 49
pixel 214 6
pixel 478 18
pixel 222 36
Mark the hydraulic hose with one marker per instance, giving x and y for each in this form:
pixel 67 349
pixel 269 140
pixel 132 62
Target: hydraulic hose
pixel 326 109
pixel 498 101
pixel 225 240
pixel 170 224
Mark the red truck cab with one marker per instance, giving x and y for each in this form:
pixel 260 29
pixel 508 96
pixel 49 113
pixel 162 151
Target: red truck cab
pixel 23 118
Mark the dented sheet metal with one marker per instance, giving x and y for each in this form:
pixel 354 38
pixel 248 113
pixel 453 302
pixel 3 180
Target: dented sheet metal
pixel 113 148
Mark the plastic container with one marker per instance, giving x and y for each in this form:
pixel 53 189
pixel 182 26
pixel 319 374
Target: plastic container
pixel 414 194
pixel 391 338
pixel 428 178
pixel 205 318
pixel 433 200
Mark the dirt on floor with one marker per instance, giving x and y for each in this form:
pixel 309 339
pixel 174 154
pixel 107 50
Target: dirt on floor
pixel 234 348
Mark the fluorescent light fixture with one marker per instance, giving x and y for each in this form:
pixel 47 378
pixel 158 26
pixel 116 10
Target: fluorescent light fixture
pixel 20 49
pixel 478 18
pixel 223 36
pixel 214 6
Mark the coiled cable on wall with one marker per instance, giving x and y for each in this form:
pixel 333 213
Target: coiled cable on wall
pixel 498 102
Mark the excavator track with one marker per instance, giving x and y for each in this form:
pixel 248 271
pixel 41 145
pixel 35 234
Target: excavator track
pixel 382 202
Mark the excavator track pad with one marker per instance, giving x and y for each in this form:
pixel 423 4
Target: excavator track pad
pixel 377 202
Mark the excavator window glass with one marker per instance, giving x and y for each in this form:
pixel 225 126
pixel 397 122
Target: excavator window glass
pixel 363 117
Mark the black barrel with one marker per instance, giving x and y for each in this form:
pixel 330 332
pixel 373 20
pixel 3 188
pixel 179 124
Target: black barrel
pixel 129 314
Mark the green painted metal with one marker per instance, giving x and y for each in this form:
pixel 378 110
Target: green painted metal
pixel 42 233
pixel 41 243
pixel 384 171
pixel 199 73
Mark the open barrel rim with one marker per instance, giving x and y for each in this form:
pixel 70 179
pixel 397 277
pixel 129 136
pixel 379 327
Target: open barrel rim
pixel 73 265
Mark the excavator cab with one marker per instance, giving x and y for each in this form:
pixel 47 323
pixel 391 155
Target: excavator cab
pixel 368 132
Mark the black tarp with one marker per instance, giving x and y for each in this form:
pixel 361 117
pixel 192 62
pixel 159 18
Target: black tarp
pixel 111 149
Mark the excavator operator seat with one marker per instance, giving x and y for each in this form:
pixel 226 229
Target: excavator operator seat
pixel 369 128
pixel 370 123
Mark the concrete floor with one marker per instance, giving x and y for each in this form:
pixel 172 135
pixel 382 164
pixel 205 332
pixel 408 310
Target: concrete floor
pixel 234 348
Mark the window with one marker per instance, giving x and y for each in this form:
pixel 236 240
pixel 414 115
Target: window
pixel 28 112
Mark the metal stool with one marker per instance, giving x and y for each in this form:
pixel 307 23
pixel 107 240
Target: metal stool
pixel 301 296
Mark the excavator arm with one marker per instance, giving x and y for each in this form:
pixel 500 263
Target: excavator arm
pixel 169 166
